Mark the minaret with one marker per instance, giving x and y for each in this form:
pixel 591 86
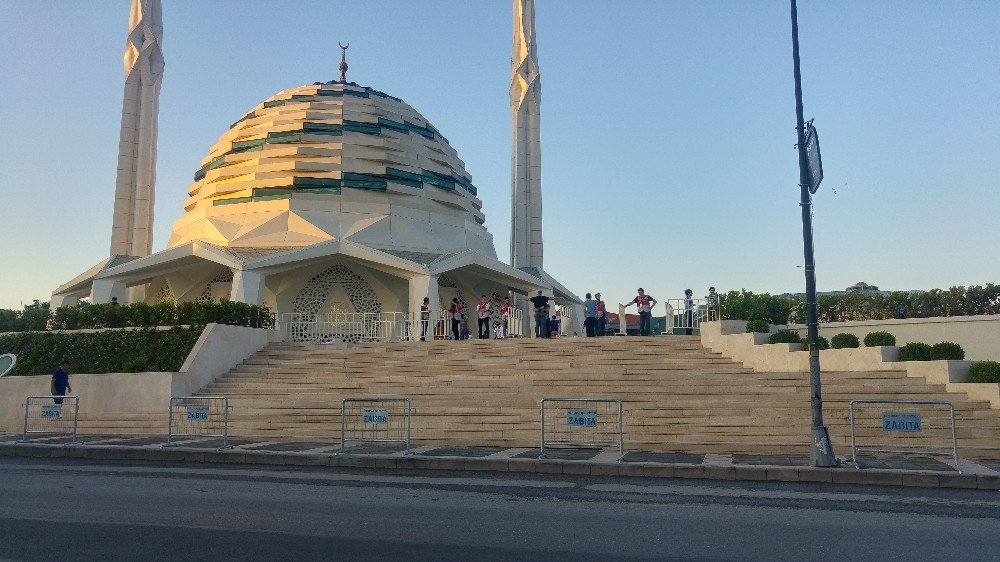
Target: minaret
pixel 132 227
pixel 526 159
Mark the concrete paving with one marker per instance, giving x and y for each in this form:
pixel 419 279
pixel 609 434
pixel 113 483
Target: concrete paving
pixel 899 471
pixel 81 509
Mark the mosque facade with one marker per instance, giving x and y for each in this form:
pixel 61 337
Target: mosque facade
pixel 337 205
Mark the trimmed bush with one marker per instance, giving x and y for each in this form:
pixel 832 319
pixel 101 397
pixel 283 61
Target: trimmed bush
pixel 947 350
pixel 821 343
pixel 111 351
pixel 142 315
pixel 915 351
pixel 758 326
pixel 877 339
pixel 784 336
pixel 845 341
pixel 985 371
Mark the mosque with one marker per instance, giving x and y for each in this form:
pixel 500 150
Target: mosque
pixel 338 206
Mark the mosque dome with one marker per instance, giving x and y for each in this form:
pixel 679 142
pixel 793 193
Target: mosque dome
pixel 334 161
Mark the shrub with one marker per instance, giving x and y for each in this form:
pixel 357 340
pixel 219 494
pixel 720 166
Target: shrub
pixel 947 350
pixel 844 341
pixel 759 326
pixel 784 336
pixel 111 351
pixel 142 315
pixel 985 371
pixel 876 339
pixel 821 342
pixel 744 305
pixel 915 351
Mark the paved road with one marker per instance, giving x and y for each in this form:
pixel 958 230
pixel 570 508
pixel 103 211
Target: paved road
pixel 71 509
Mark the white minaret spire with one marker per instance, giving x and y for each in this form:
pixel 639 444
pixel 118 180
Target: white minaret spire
pixel 132 228
pixel 526 158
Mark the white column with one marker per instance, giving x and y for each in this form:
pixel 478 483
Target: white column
pixel 420 287
pixel 103 289
pixel 248 287
pixel 622 323
pixel 63 300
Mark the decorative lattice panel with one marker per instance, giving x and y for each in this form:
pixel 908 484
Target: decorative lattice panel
pixel 165 294
pixel 224 276
pixel 445 281
pixel 309 301
pixel 496 300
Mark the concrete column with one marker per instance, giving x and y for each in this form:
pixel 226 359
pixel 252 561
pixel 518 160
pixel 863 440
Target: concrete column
pixel 248 287
pixel 103 289
pixel 420 287
pixel 63 300
pixel 574 320
pixel 622 323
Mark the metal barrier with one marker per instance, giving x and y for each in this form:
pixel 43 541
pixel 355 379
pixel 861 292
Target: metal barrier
pixel 685 314
pixel 48 414
pixel 599 425
pixel 905 426
pixel 198 416
pixel 375 419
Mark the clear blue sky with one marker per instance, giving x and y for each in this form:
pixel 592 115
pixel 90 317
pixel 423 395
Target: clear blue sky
pixel 667 129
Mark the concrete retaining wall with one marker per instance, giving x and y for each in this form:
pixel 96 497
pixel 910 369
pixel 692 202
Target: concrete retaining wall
pixel 978 335
pixel 217 351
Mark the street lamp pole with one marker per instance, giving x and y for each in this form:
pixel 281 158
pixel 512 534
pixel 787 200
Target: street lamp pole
pixel 821 450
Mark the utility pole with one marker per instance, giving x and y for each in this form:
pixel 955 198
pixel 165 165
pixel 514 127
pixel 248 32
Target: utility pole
pixel 821 450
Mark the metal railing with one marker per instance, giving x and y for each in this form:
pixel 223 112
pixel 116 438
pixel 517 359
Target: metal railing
pixel 198 416
pixel 685 315
pixel 383 326
pixel 905 424
pixel 47 415
pixel 581 426
pixel 375 419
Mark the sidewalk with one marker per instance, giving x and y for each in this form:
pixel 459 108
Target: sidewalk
pixel 884 471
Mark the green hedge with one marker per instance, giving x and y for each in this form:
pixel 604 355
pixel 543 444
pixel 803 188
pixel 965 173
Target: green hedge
pixel 915 351
pixel 956 301
pixel 985 371
pixel 947 350
pixel 142 315
pixel 880 339
pixel 758 326
pixel 784 336
pixel 111 351
pixel 845 341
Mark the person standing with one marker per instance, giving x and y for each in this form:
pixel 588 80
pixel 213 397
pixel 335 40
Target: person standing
pixel 60 382
pixel 554 327
pixel 539 301
pixel 589 315
pixel 713 301
pixel 505 310
pixel 456 317
pixel 483 318
pixel 688 312
pixel 645 304
pixel 425 318
pixel 602 315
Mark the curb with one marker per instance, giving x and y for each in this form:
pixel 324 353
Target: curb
pixel 872 477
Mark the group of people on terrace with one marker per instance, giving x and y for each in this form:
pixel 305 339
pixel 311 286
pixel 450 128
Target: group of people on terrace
pixel 546 324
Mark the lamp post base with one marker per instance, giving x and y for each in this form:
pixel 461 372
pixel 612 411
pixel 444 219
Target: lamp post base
pixel 821 450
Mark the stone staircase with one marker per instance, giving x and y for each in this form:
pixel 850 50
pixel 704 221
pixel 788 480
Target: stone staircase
pixel 678 396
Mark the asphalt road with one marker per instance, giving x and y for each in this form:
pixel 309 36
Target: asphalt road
pixel 69 509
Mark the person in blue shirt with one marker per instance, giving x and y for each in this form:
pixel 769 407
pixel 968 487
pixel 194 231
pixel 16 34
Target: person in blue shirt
pixel 554 327
pixel 60 382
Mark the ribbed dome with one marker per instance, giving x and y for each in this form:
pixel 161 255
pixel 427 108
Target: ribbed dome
pixel 313 151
